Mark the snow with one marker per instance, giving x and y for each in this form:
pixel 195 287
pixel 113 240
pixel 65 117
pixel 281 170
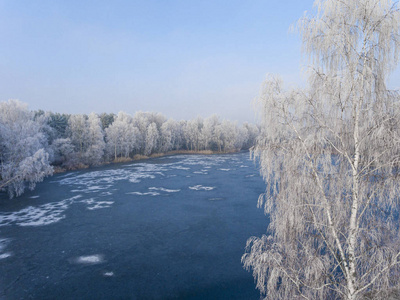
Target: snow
pixel 144 194
pixel 200 187
pixel 164 190
pixel 38 216
pixel 90 259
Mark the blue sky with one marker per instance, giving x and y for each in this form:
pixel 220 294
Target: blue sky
pixel 181 58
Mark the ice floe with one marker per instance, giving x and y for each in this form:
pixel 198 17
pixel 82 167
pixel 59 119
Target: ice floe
pixel 108 274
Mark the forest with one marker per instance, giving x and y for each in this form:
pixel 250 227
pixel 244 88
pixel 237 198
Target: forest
pixel 36 143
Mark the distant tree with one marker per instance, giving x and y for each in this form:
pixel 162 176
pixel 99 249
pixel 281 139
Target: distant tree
pixel 106 120
pixel 252 134
pixel 122 137
pixel 330 157
pixel 23 145
pixel 96 145
pixel 64 154
pixel 151 139
pixel 78 132
pixel 208 132
pixel 167 135
pixel 59 123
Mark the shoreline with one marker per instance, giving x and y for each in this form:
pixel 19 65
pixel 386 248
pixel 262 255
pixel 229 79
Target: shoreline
pixel 139 157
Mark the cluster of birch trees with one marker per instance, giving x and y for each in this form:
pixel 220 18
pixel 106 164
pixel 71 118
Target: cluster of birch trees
pixel 32 142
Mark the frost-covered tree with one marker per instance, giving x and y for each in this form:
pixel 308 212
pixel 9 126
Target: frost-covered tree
pixel 96 145
pixel 78 132
pixel 23 148
pixel 63 153
pixel 106 120
pixel 168 135
pixel 330 157
pixel 252 134
pixel 208 132
pixel 151 139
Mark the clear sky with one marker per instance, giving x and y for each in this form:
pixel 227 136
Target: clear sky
pixel 182 58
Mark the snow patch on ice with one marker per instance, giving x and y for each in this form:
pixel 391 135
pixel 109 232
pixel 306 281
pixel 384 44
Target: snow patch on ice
pixel 200 187
pixel 180 168
pixel 224 169
pixel 101 204
pixel 3 244
pixel 164 190
pixel 5 255
pixel 89 259
pixel 135 178
pixel 38 216
pixel 98 181
pixel 144 194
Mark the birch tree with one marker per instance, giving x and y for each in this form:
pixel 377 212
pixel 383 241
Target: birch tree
pixel 96 145
pixel 151 139
pixel 23 148
pixel 330 157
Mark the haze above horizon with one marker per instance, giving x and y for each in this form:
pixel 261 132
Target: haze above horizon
pixel 181 58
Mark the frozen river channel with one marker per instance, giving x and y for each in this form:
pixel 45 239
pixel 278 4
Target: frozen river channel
pixel 165 228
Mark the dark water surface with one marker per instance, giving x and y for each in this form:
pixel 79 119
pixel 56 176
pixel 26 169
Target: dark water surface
pixel 166 228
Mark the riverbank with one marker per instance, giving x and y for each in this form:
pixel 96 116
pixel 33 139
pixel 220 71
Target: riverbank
pixel 138 157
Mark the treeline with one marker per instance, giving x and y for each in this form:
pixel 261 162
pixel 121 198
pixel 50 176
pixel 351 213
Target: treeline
pixel 32 143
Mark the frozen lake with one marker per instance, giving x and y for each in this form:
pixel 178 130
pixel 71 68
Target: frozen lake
pixel 165 228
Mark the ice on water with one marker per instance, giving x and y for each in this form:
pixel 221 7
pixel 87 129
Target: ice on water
pixel 144 194
pixel 164 190
pixel 37 216
pixel 89 259
pixel 200 187
pixel 3 245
